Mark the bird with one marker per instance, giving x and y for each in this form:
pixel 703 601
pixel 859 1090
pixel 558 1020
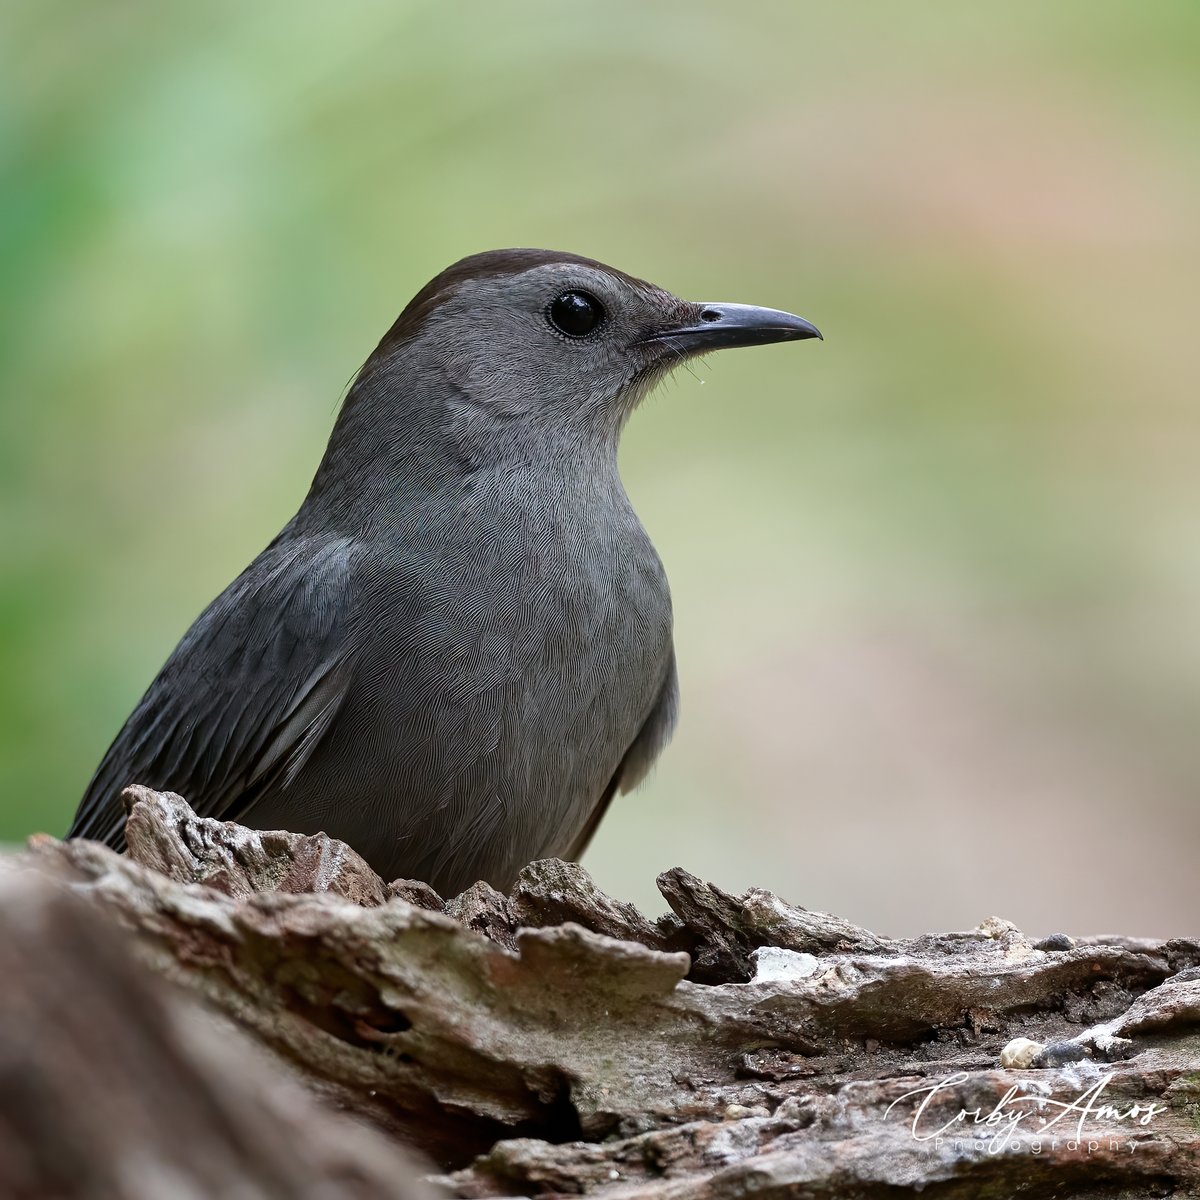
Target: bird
pixel 460 648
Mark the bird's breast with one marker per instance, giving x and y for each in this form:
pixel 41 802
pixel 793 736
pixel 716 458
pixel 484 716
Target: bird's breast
pixel 540 609
pixel 512 648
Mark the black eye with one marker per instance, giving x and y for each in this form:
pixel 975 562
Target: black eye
pixel 575 313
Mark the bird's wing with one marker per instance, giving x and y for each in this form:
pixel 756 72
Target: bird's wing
pixel 643 750
pixel 245 697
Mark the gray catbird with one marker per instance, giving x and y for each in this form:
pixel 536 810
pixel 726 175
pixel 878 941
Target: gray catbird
pixel 459 648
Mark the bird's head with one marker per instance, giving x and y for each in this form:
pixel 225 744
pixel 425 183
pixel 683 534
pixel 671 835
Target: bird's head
pixel 520 342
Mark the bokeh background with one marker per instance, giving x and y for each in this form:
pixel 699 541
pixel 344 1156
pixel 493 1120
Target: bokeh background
pixel 937 580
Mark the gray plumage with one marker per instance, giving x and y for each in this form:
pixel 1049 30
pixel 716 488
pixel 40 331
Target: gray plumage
pixel 460 647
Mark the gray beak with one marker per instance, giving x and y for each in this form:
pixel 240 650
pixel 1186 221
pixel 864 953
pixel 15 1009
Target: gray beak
pixel 724 325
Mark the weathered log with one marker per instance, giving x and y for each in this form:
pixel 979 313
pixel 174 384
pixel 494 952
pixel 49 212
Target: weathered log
pixel 114 1084
pixel 556 1041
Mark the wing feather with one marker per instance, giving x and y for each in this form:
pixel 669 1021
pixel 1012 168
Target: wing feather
pixel 248 693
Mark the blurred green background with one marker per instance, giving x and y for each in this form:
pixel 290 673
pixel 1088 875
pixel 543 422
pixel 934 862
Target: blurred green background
pixel 937 580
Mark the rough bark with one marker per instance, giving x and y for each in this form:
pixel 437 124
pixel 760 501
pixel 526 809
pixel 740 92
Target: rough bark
pixel 115 1086
pixel 556 1041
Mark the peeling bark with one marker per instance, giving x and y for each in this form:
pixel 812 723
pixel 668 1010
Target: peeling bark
pixel 557 1041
